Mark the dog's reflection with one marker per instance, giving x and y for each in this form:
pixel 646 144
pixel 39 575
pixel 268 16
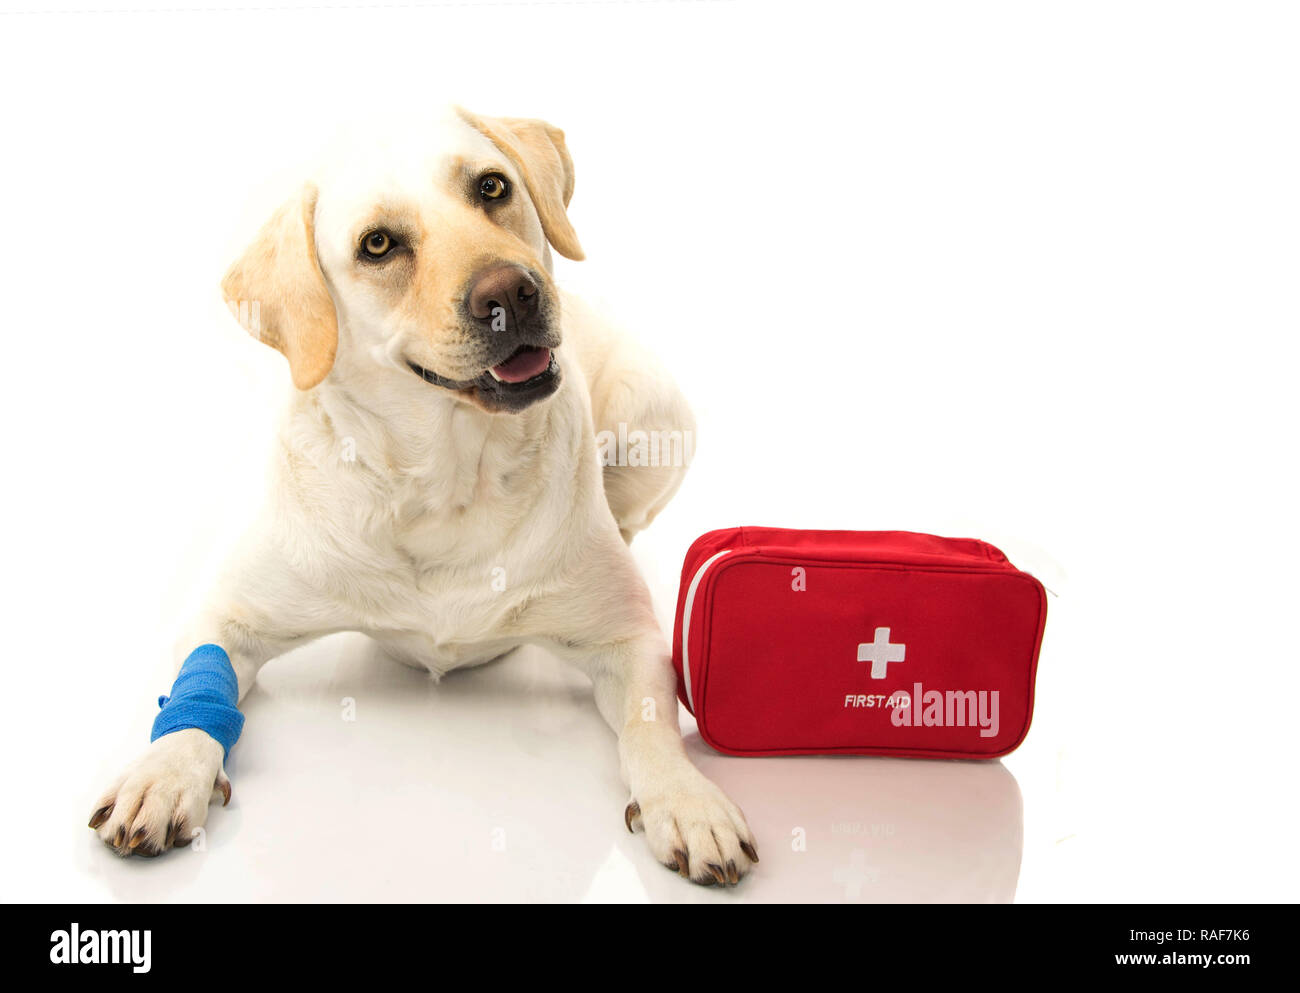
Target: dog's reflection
pixel 874 830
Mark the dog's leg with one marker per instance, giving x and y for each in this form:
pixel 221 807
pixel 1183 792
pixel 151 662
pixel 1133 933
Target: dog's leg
pixel 690 824
pixel 162 798
pixel 644 427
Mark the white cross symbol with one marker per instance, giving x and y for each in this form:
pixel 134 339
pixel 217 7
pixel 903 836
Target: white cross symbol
pixel 880 653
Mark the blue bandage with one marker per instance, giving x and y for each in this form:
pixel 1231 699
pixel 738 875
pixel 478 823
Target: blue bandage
pixel 204 697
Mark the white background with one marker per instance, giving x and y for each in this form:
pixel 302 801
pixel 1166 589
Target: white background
pixel 1020 271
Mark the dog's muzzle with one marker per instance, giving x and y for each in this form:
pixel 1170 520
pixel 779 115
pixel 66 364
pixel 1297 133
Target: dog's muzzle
pixel 508 310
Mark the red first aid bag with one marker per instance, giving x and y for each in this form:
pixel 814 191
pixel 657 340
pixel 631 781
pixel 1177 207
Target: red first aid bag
pixel 856 642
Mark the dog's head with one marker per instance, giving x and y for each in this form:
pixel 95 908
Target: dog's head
pixel 433 254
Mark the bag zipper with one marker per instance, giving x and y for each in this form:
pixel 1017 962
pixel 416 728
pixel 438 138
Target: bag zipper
pixel 686 622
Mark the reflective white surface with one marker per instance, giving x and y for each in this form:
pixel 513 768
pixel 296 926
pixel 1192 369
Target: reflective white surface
pixel 501 783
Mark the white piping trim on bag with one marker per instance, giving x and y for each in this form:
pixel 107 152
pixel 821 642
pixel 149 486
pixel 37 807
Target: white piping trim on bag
pixel 686 623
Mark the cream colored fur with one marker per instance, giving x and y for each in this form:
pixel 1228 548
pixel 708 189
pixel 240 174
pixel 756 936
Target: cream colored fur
pixel 396 503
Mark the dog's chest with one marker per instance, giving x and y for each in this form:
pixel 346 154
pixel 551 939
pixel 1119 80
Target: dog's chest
pixel 454 528
pixel 450 582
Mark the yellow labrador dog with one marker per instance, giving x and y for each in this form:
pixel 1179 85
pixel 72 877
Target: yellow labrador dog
pixel 443 434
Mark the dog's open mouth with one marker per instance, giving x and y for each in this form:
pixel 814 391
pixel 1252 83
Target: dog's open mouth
pixel 529 374
pixel 526 364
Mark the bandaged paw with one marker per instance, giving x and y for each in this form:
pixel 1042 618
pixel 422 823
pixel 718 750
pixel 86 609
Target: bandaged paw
pixel 204 696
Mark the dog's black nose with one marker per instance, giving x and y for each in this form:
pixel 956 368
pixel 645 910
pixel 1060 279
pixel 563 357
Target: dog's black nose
pixel 505 291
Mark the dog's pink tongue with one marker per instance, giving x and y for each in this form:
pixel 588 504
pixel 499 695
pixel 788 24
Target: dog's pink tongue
pixel 528 363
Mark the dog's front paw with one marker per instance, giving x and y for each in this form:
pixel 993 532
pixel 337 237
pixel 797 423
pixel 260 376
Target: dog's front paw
pixel 163 798
pixel 694 829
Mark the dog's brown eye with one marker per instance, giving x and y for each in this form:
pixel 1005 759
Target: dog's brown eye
pixel 377 244
pixel 493 187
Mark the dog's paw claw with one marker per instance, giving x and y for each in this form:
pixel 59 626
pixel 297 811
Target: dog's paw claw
pixel 751 852
pixel 100 816
pixel 222 785
pixel 632 812
pixel 683 863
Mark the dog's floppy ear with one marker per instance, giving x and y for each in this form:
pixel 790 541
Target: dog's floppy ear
pixel 277 291
pixel 537 149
